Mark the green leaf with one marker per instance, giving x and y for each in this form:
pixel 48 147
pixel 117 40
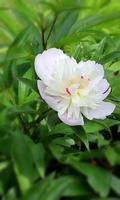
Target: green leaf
pixel 92 127
pixel 66 24
pixel 115 66
pixel 64 141
pixel 62 129
pixel 30 83
pixel 11 194
pixel 115 184
pixel 113 56
pixel 77 187
pixel 3 165
pixel 112 156
pixel 22 161
pixel 82 135
pixel 48 189
pixel 38 189
pixel 115 86
pixel 38 152
pixel 93 20
pixel 26 10
pixel 8 21
pixel 98 178
pixel 56 150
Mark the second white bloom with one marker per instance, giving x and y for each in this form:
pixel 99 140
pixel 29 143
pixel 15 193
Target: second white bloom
pixel 72 89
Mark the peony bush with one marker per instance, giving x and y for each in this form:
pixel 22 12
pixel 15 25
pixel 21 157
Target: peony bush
pixel 59 100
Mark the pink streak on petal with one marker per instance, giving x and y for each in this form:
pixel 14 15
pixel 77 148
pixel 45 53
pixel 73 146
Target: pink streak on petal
pixel 67 90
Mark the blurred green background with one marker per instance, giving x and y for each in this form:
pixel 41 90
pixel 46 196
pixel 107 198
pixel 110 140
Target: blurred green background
pixel 40 157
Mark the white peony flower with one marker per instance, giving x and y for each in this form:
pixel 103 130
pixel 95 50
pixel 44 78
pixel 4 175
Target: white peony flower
pixel 72 89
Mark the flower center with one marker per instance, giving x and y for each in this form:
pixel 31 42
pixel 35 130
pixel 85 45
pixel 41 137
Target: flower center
pixel 77 86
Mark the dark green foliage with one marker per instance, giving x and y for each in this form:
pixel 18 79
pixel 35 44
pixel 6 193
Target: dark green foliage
pixel 40 157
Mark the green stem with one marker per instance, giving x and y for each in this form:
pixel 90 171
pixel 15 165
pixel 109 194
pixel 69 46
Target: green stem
pixel 51 29
pixel 40 118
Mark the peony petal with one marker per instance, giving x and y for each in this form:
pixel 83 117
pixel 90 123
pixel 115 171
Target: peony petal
pixel 91 70
pixel 104 109
pixel 72 116
pixel 106 93
pixel 51 101
pixel 63 105
pixel 71 121
pixel 45 63
pixel 103 85
pixel 103 88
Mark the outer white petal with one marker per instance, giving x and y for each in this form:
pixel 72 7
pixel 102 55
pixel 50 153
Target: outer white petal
pixel 45 63
pixel 103 88
pixel 104 109
pixel 106 93
pixel 51 101
pixel 71 121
